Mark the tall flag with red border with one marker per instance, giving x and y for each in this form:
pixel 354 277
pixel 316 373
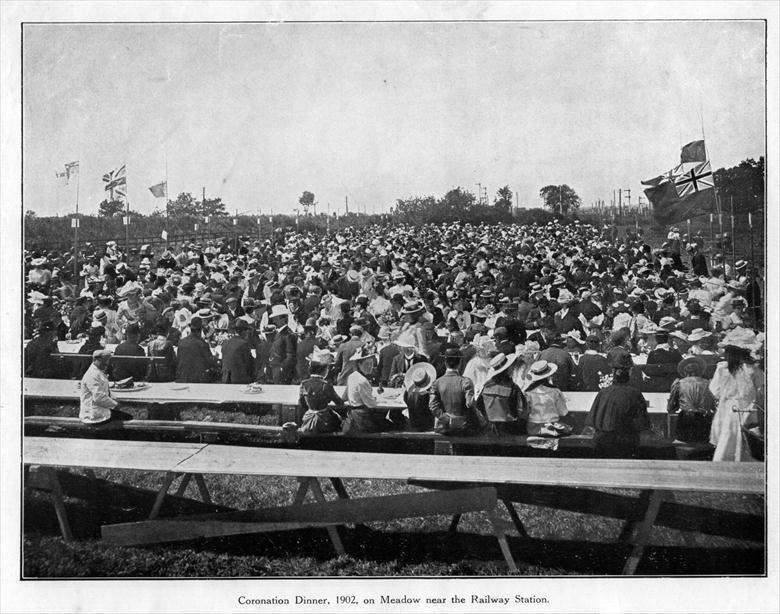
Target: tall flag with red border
pixel 685 191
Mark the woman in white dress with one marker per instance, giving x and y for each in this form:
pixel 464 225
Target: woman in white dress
pixel 738 386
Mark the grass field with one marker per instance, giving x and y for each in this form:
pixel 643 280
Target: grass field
pixel 695 533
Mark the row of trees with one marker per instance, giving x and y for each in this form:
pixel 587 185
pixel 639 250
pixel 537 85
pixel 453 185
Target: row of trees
pixel 185 205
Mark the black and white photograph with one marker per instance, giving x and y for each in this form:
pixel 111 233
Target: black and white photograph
pixel 318 307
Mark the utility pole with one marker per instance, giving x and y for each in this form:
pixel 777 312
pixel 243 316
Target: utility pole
pixel 628 197
pixel 620 206
pixel 346 205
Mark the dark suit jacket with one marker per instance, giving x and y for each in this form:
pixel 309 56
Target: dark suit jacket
pixel 238 365
pixel 137 369
pixel 195 361
pixel 537 336
pixel 568 323
pixel 398 366
pixel 386 355
pixel 590 368
pixel 282 356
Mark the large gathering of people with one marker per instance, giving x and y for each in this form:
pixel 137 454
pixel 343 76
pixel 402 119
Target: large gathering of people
pixel 483 326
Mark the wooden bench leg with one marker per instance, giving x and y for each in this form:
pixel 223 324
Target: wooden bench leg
pixel 59 503
pixel 515 518
pixel 454 523
pixel 303 488
pixel 167 481
pixel 631 523
pixel 499 531
pixel 643 534
pixel 338 486
pixel 185 480
pixel 200 481
pixel 333 532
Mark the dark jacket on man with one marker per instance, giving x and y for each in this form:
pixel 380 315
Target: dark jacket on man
pixel 238 364
pixel 282 356
pixel 196 364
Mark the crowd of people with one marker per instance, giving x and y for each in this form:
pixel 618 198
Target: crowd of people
pixel 483 326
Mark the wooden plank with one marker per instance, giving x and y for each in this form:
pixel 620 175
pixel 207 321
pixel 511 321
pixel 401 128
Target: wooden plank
pixel 643 534
pixel 184 426
pixel 107 454
pixel 624 473
pixel 333 532
pixel 339 511
pixel 59 503
pixel 210 458
pixel 166 392
pixel 158 501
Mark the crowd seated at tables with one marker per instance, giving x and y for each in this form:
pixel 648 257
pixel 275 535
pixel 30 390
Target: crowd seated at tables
pixel 496 306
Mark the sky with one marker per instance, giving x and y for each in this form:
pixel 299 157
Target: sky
pixel 258 113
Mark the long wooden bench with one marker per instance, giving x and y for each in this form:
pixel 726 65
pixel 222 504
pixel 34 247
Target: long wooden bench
pixel 483 473
pixel 213 432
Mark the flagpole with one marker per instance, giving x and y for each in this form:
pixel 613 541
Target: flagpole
pixel 733 246
pixel 76 234
pixel 752 279
pixel 167 212
pixel 127 221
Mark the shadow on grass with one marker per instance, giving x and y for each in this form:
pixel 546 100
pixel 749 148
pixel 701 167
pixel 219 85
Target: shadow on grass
pixel 370 551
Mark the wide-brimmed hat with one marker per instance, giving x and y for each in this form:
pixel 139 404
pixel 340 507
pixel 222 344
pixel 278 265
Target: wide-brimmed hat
pixel 38 261
pixel 278 311
pixel 321 357
pixel 540 370
pixel 421 374
pixel 576 335
pixel 500 363
pixel 667 323
pixel 691 361
pixel 131 287
pixel 205 313
pixel 353 276
pixel 413 308
pixel 362 353
pixel 660 293
pixel 740 337
pixel 565 297
pixel 697 334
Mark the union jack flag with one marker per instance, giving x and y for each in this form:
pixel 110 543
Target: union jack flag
pixel 116 182
pixel 71 170
pixel 694 180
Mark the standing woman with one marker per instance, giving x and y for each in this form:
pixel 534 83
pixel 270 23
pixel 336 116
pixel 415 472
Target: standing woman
pixel 738 386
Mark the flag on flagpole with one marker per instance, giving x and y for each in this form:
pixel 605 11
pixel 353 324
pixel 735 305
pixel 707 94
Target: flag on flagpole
pixel 116 182
pixel 71 170
pixel 159 190
pixel 685 191
pixel 693 152
pixel 694 180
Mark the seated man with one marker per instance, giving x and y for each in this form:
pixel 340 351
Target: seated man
pixel 96 405
pixel 137 369
pixel 452 400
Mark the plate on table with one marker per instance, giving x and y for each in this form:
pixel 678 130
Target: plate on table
pixel 134 388
pixel 180 387
pixel 253 389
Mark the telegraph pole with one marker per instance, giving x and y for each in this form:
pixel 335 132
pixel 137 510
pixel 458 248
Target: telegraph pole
pixel 620 205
